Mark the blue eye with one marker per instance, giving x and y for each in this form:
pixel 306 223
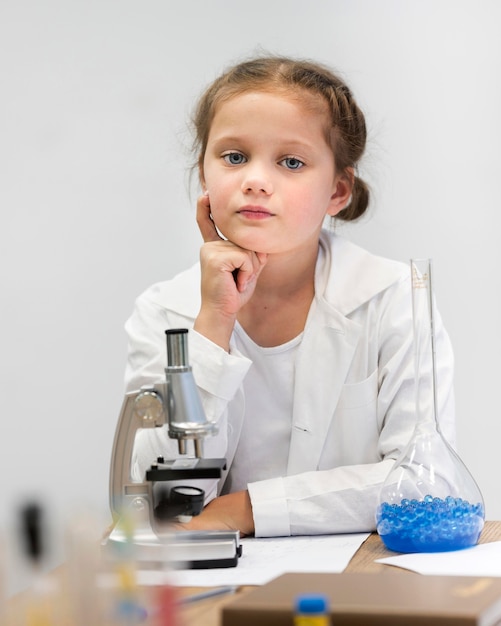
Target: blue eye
pixel 234 158
pixel 292 163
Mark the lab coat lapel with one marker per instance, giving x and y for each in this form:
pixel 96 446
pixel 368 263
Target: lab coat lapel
pixel 324 358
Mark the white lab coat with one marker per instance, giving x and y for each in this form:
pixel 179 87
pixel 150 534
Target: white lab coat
pixel 354 405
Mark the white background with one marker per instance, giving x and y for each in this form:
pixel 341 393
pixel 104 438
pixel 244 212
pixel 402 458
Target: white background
pixel 95 201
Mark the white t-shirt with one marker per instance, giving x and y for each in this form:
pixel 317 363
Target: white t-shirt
pixel 269 388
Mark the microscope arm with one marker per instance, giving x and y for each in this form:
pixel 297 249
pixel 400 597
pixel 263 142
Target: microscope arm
pixel 140 409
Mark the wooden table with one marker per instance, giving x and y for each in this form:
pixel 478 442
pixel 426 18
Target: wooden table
pixel 208 612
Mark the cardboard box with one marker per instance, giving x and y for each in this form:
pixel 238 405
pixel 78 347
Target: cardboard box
pixel 362 599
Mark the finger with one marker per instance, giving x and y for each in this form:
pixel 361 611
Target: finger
pixel 249 271
pixel 205 221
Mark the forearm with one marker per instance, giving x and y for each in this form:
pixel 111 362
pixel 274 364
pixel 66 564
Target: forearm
pixel 230 512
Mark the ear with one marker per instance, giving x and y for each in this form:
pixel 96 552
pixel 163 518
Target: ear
pixel 343 186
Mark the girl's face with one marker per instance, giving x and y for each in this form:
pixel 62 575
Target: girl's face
pixel 270 173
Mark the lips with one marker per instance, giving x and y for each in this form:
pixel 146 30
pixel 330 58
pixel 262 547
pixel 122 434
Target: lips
pixel 255 212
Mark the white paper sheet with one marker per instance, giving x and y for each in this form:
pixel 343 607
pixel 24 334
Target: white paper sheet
pixel 481 560
pixel 265 559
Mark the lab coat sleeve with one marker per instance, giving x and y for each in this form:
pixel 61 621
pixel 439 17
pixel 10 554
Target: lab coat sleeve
pixel 344 498
pixel 341 500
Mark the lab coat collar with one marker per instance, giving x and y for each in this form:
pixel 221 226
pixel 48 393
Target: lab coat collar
pixel 347 276
pixel 181 294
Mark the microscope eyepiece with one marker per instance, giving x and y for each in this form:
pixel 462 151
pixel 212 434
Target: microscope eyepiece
pixel 177 348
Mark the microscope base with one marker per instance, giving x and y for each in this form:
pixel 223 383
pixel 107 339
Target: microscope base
pixel 178 550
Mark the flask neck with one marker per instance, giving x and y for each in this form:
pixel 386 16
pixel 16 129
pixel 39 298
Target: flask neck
pixel 424 343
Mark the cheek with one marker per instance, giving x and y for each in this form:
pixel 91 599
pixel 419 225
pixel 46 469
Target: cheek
pixel 312 205
pixel 216 200
pixel 219 196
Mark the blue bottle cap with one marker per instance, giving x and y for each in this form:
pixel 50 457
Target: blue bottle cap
pixel 311 603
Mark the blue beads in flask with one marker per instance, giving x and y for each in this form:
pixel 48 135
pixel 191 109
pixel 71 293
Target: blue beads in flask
pixel 430 525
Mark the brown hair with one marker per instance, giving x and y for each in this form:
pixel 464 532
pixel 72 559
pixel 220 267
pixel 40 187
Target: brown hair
pixel 347 131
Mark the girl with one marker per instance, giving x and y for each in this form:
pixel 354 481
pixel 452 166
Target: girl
pixel 301 343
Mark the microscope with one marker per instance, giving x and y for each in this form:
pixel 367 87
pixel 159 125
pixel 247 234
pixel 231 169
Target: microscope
pixel 151 509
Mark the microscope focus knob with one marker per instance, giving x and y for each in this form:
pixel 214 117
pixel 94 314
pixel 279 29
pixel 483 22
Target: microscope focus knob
pixel 149 408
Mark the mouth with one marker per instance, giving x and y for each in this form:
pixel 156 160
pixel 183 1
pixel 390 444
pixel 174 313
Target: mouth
pixel 255 212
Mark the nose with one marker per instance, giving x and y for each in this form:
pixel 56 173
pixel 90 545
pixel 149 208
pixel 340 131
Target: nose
pixel 257 180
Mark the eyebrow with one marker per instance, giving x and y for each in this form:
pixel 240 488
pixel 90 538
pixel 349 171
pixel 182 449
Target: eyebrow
pixel 291 144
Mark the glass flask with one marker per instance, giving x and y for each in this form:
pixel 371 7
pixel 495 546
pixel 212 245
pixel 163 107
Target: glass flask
pixel 429 502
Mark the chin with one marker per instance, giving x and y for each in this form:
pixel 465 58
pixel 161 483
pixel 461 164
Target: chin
pixel 252 243
pixel 247 237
